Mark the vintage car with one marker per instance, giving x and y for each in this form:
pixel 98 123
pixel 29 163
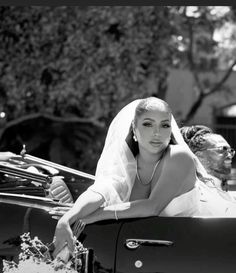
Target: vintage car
pixel 150 245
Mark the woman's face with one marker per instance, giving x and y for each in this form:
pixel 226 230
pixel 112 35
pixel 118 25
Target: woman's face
pixel 217 159
pixel 153 130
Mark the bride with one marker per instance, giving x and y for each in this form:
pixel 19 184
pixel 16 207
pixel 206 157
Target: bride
pixel 145 169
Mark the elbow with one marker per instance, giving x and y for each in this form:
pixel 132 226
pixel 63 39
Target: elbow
pixel 155 211
pixel 151 209
pixel 154 208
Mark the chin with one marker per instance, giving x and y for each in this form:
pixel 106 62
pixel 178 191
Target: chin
pixel 157 150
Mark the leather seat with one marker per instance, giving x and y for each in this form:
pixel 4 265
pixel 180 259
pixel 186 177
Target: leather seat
pixel 59 190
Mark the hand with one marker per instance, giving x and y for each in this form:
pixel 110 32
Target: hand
pixel 58 212
pixel 63 238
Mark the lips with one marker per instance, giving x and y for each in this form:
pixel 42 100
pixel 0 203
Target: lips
pixel 155 143
pixel 227 162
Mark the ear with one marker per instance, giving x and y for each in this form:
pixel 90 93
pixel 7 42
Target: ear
pixel 199 154
pixel 203 159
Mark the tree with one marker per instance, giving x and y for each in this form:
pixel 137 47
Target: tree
pixel 200 51
pixel 81 63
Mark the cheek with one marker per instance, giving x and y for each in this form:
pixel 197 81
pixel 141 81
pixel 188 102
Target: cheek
pixel 213 160
pixel 166 135
pixel 142 135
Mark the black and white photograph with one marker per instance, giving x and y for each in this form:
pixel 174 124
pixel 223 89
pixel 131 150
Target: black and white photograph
pixel 117 139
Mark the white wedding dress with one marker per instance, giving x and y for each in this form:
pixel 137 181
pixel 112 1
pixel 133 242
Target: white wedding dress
pixel 184 205
pixel 202 201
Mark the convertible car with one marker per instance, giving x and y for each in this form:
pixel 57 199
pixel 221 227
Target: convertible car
pixel 150 245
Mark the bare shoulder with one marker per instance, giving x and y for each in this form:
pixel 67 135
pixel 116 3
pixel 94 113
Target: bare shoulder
pixel 180 154
pixel 180 166
pixel 178 149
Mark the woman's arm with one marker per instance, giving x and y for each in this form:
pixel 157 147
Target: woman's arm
pixel 178 176
pixel 137 208
pixel 87 203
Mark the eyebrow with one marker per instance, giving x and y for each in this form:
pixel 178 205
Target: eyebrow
pixel 150 119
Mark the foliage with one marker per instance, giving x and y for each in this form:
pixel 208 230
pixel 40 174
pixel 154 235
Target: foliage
pixel 35 257
pixel 80 65
pixel 200 51
pixel 81 62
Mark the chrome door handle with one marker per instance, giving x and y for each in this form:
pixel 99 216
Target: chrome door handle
pixel 135 243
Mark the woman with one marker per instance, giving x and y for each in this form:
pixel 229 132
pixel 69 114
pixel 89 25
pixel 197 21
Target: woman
pixel 215 154
pixel 141 172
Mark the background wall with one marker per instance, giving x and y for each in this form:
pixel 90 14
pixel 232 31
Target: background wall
pixel 181 95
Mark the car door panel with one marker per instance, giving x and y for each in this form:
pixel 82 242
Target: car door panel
pixel 167 244
pixel 101 238
pixel 16 220
pixel 199 245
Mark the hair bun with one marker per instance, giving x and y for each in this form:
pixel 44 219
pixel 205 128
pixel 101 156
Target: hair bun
pixel 193 134
pixel 187 132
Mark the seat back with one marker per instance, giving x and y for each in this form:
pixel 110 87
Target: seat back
pixel 59 190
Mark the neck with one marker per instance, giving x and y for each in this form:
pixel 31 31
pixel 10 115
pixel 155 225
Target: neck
pixel 216 180
pixel 221 176
pixel 149 158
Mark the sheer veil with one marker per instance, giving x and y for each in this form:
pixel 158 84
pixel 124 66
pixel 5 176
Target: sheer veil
pixel 116 168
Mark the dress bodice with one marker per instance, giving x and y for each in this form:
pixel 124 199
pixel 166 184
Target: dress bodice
pixel 186 204
pixel 202 200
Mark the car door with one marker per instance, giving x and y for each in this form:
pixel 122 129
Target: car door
pixel 20 214
pixel 168 244
pixel 101 240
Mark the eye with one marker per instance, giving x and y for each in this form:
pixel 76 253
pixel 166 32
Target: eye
pixel 147 124
pixel 166 125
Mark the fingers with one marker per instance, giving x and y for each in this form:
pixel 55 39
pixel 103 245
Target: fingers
pixel 71 244
pixel 78 227
pixel 63 238
pixel 64 254
pixel 66 247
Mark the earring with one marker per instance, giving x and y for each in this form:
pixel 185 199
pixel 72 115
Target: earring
pixel 135 138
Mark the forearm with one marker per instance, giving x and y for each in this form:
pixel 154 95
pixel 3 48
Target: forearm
pixel 138 208
pixel 87 203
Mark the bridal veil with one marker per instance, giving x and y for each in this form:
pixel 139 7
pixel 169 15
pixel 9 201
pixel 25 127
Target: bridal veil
pixel 116 168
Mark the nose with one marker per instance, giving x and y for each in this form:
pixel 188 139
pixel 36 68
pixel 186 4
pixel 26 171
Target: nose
pixel 155 131
pixel 229 154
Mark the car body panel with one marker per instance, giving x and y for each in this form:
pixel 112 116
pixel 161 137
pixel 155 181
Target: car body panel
pixel 101 238
pixel 199 245
pixel 172 244
pixel 20 214
pixel 17 219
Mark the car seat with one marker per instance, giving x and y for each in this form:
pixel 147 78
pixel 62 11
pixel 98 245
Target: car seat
pixel 59 190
